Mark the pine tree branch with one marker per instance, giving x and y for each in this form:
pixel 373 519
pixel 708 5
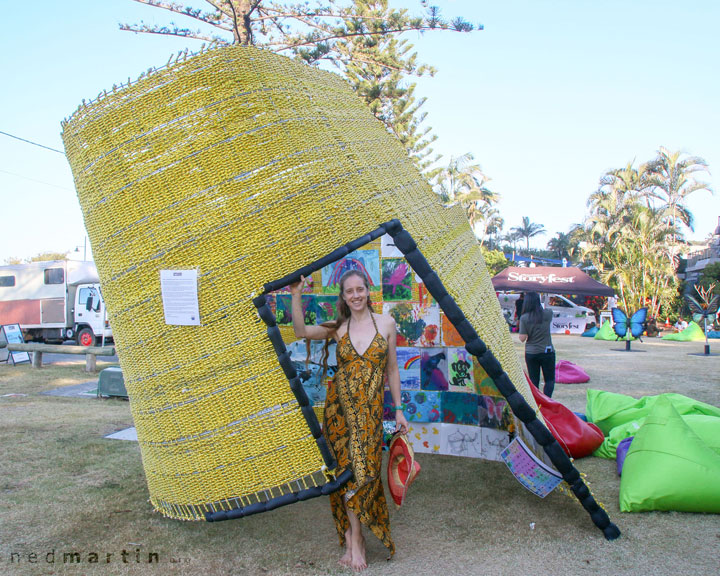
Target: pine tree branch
pixel 180 32
pixel 308 42
pixel 327 14
pixel 197 14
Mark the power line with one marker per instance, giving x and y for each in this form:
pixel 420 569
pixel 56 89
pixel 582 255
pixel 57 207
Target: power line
pixel 33 143
pixel 35 180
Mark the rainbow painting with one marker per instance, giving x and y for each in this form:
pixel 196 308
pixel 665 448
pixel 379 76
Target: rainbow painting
pixel 366 261
pixel 409 365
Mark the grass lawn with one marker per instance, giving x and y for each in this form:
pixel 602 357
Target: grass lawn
pixel 64 488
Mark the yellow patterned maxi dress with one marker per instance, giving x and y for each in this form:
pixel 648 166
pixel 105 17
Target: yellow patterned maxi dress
pixel 353 429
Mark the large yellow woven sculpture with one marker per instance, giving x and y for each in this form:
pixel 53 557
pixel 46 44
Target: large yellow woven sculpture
pixel 245 166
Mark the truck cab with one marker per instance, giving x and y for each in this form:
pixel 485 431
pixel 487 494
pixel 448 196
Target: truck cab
pixel 89 321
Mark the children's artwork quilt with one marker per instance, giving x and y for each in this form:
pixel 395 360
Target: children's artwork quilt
pixel 460 370
pixel 459 408
pixel 326 309
pixel 388 248
pixel 283 309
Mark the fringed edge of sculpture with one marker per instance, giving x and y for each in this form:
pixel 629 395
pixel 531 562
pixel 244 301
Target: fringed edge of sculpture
pixel 473 344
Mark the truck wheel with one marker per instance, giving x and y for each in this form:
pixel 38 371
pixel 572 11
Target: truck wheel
pixel 85 337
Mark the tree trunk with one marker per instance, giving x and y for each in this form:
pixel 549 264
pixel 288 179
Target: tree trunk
pixel 240 12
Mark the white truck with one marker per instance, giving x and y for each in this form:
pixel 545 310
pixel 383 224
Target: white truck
pixel 54 301
pixel 568 317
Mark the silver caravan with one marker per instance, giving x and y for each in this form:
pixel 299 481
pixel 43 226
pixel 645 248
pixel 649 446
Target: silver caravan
pixel 54 301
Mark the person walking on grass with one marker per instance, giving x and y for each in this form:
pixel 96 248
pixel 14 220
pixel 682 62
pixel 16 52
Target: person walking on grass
pixel 352 423
pixel 539 351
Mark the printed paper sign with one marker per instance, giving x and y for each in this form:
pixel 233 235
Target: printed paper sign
pixel 13 335
pixel 179 289
pixel 530 471
pixel 568 325
pixel 388 248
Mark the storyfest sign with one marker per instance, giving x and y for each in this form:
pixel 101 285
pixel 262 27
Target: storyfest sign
pixel 553 280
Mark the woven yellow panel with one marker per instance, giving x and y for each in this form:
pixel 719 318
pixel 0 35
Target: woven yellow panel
pixel 243 165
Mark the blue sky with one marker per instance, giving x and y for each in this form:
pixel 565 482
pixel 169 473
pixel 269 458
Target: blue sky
pixel 549 96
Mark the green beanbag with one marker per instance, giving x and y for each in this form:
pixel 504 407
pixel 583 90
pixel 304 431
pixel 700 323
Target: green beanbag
pixel 668 467
pixel 608 449
pixel 607 409
pixel 706 427
pixel 606 332
pixel 693 333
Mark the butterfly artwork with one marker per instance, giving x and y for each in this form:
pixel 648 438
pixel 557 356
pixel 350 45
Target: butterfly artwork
pixel 704 308
pixel 628 328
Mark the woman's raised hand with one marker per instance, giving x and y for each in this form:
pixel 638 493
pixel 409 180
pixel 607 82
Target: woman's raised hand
pixel 297 287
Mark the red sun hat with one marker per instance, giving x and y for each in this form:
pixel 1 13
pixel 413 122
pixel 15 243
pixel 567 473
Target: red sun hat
pixel 402 468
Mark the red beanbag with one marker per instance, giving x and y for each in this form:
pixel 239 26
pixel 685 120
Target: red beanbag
pixel 568 373
pixel 578 438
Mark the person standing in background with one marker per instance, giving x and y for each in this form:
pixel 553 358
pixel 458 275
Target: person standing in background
pixel 539 351
pixel 612 302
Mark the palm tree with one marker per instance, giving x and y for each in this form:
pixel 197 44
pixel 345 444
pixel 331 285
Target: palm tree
pixel 560 245
pixel 673 179
pixel 611 207
pixel 511 238
pixel 488 222
pixel 639 265
pixel 463 182
pixel 618 188
pixel 528 230
pixel 626 239
pixel 461 176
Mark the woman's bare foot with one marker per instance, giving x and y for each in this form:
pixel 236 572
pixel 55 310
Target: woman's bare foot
pixel 347 557
pixel 358 563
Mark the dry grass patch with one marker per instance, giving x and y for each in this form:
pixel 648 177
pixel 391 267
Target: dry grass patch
pixel 65 488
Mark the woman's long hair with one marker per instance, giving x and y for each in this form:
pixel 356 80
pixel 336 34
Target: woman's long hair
pixel 532 307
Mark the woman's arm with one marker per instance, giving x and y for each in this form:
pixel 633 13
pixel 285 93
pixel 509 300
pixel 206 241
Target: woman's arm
pixel 522 330
pixel 393 376
pixel 298 316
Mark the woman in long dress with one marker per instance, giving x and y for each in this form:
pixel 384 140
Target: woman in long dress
pixel 354 409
